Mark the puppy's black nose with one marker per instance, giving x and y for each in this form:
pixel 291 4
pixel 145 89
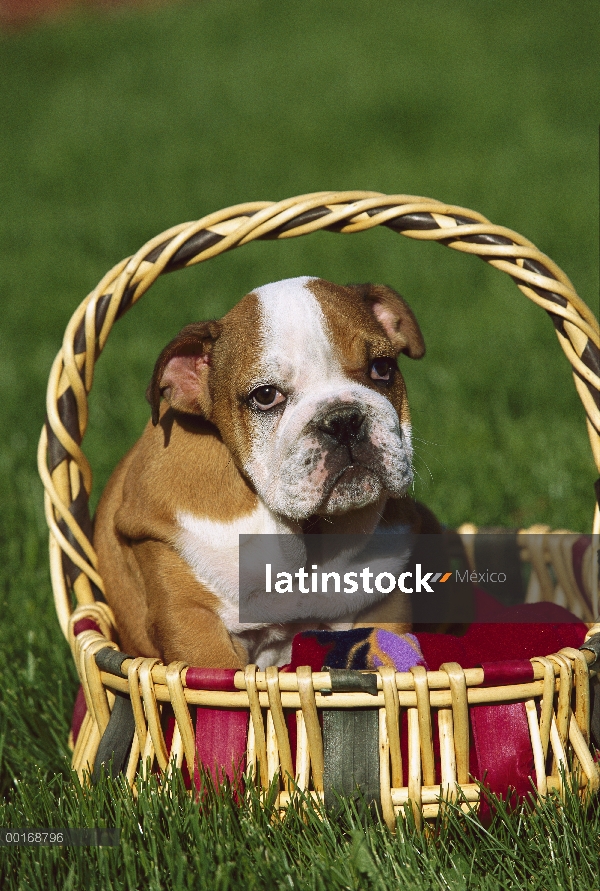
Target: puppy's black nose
pixel 342 424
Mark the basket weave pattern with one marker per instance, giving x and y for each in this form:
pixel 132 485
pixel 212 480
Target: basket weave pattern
pixel 557 704
pixel 67 479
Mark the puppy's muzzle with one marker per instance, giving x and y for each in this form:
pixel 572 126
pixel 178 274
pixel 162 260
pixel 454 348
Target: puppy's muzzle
pixel 344 425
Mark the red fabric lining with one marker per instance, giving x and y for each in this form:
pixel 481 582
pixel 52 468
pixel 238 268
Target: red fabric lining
pixel 168 725
pixel 85 625
pixel 504 754
pixel 508 671
pixel 211 679
pixel 527 630
pixel 221 733
pixel 221 736
pixel 79 710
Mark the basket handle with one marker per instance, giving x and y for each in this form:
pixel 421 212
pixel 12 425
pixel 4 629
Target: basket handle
pixel 63 467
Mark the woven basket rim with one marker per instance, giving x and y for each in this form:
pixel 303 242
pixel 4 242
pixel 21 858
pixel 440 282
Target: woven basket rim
pixel 555 730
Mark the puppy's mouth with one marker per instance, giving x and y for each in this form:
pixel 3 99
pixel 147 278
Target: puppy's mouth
pixel 352 487
pixel 351 471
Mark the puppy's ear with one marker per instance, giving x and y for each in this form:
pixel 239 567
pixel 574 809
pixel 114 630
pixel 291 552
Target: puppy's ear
pixel 396 318
pixel 181 371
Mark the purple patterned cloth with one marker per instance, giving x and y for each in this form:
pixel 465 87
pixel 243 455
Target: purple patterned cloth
pixel 358 649
pixel 399 651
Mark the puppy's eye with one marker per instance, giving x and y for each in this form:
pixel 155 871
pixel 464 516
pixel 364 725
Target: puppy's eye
pixel 265 398
pixel 382 370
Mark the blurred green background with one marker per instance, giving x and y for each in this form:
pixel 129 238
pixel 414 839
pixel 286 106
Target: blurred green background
pixel 114 127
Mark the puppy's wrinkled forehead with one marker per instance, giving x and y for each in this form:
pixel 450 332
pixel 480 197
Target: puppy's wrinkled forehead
pixel 297 343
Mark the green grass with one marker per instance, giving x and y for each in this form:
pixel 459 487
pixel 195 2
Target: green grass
pixel 168 840
pixel 115 127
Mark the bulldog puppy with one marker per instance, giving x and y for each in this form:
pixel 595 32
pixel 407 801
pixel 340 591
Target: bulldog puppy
pixel 287 415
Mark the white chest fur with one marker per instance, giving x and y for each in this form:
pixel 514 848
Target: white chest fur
pixel 211 550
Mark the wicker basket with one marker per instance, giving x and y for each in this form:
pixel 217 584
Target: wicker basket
pixel 557 700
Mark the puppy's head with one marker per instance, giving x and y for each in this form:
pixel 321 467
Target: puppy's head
pixel 302 382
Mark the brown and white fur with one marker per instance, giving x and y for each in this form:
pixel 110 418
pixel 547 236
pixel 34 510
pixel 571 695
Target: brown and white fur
pixel 287 415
